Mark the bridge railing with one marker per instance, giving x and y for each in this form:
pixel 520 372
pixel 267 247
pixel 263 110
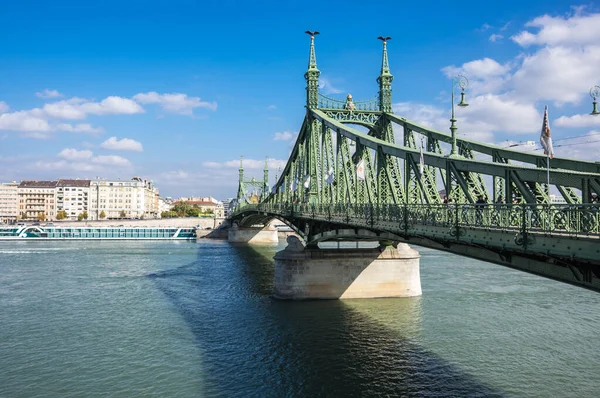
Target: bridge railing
pixel 551 219
pixel 332 103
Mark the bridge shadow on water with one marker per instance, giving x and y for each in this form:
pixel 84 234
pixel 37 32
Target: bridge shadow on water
pixel 253 345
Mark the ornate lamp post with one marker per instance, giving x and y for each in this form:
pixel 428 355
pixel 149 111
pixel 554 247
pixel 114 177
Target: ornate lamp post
pixel 463 83
pixel 595 93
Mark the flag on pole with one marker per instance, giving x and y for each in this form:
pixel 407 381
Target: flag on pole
pixel 545 138
pixel 307 181
pixel 329 176
pixel 360 170
pixel 294 185
pixel 421 162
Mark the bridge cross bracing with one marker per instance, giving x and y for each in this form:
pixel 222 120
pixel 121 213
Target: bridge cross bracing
pixel 348 179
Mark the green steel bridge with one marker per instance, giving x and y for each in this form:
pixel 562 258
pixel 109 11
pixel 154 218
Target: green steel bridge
pixel 348 179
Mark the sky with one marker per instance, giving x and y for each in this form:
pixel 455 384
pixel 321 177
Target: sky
pixel 177 91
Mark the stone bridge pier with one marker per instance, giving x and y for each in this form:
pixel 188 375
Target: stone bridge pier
pixel 314 273
pixel 258 235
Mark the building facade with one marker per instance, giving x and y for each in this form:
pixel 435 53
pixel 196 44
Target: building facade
pixel 206 203
pixel 151 197
pixel 73 196
pixel 115 199
pixel 9 200
pixel 164 205
pixel 37 200
pixel 228 206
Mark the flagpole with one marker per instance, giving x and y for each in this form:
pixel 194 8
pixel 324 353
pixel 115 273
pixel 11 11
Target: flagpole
pixel 548 173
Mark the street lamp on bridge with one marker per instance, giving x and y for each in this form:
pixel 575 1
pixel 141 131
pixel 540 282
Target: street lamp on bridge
pixel 463 83
pixel 595 93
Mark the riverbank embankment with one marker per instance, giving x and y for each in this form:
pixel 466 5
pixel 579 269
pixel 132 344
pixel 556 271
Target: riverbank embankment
pixel 183 222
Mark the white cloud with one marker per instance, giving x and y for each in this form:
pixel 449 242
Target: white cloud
pixel 175 175
pixel 327 87
pixel 495 113
pixel 271 107
pixel 23 121
pixel 478 69
pixel 485 116
pixel 113 105
pixel 124 144
pixel 111 160
pixel 212 165
pixel 485 75
pixel 175 102
pixel 79 128
pixel 74 154
pixel 575 30
pixel 585 147
pixel 496 37
pixel 65 109
pixel 561 68
pixel 48 94
pixel 422 114
pixel 78 108
pixel 508 97
pixel 247 164
pixel 560 74
pixel 219 179
pixel 577 121
pixel 73 157
pixel 39 122
pixel 35 125
pixel 284 136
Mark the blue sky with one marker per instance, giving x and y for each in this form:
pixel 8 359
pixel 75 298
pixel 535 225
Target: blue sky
pixel 176 91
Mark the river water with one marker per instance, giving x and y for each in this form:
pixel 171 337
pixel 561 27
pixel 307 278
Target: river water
pixel 187 319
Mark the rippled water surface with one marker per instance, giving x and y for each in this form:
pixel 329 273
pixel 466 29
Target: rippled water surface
pixel 187 319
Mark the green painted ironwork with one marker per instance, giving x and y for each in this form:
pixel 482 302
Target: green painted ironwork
pixel 246 185
pixel 338 177
pixel 312 74
pixel 385 80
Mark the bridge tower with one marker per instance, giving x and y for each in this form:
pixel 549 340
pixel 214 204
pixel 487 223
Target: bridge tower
pixel 261 187
pixel 385 80
pixel 312 74
pixel 311 272
pixel 252 191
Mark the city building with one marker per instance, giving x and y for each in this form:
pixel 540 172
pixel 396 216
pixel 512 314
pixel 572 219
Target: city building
pixel 206 203
pixel 73 196
pixel 114 199
pixel 164 205
pixel 151 198
pixel 228 206
pixel 37 200
pixel 9 200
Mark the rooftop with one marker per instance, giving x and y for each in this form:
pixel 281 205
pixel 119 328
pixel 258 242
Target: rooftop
pixel 37 184
pixel 73 183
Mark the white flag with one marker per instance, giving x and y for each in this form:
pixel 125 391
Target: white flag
pixel 545 138
pixel 307 181
pixel 421 163
pixel 329 177
pixel 360 170
pixel 294 185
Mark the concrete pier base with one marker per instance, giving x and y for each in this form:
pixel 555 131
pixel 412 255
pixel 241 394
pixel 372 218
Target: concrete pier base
pixel 253 235
pixel 306 273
